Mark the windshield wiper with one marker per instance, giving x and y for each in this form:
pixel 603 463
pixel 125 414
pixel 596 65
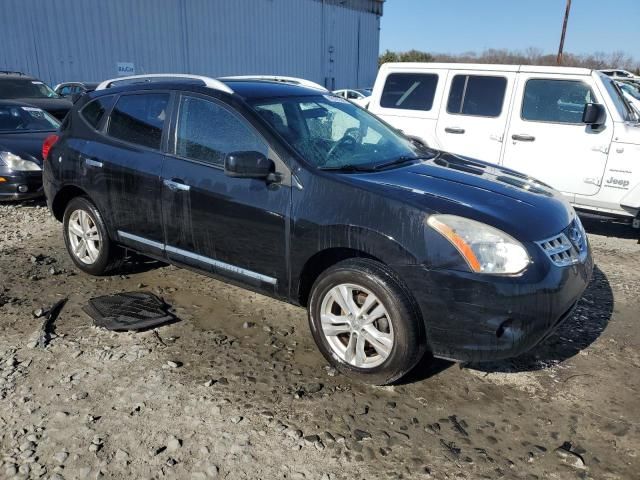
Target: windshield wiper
pixel 346 168
pixel 399 161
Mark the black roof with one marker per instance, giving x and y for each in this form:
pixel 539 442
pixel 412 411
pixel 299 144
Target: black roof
pixel 247 89
pixel 14 75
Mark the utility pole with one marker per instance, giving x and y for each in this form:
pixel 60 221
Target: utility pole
pixel 564 32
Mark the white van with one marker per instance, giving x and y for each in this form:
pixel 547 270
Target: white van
pixel 568 127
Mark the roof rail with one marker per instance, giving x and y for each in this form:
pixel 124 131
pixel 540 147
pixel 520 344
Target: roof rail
pixel 13 72
pixel 278 78
pixel 206 81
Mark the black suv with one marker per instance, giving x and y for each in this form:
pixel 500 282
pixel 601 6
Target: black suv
pixel 291 191
pixel 23 88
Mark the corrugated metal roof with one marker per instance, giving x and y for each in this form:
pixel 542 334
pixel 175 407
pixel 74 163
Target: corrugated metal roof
pixel 369 6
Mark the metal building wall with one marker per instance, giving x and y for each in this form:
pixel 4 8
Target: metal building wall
pixel 64 40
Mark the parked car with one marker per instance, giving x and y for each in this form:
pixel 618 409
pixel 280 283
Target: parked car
pixel 73 89
pixel 23 128
pixel 290 191
pixel 21 87
pixel 359 96
pixel 568 127
pixel 619 74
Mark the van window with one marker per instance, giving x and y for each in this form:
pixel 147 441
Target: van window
pixel 477 95
pixel 207 132
pixel 139 119
pixel 93 111
pixel 557 101
pixel 409 91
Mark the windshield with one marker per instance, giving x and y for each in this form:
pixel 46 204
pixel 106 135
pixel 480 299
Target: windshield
pixel 15 118
pixel 622 105
pixel 24 88
pixel 332 133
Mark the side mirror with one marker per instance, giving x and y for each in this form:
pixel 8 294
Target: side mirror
pixel 248 165
pixel 594 114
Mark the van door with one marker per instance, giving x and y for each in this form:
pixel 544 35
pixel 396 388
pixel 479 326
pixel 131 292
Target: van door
pixel 473 117
pixel 546 138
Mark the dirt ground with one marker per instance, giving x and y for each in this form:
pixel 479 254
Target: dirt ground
pixel 246 394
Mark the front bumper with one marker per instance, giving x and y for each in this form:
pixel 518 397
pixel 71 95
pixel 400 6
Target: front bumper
pixel 14 182
pixel 471 317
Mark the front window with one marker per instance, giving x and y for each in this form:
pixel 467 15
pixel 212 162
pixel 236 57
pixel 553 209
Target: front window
pixel 332 133
pixel 208 132
pixel 15 118
pixel 556 101
pixel 24 88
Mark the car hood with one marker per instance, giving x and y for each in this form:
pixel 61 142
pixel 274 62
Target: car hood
pixel 58 107
pixel 452 184
pixel 27 145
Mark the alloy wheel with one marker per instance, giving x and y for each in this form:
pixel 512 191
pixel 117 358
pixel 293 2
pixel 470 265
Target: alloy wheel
pixel 84 237
pixel 356 325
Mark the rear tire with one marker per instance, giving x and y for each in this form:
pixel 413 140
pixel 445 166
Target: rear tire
pixel 87 239
pixel 365 321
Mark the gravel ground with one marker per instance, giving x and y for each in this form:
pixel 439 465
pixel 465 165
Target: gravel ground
pixel 237 389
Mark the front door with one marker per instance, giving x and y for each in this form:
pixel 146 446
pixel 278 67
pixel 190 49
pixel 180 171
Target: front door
pixel 233 227
pixel 474 114
pixel 547 139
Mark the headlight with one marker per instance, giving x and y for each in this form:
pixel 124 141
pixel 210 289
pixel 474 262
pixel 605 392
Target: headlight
pixel 486 249
pixel 14 162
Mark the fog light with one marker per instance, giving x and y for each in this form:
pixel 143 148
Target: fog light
pixel 2 179
pixel 23 188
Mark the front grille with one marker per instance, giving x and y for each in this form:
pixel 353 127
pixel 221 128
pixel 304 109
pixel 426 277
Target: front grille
pixel 567 248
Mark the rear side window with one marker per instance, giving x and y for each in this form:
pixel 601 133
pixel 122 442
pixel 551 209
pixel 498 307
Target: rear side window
pixel 477 95
pixel 94 111
pixel 409 91
pixel 139 119
pixel 207 132
pixel 557 101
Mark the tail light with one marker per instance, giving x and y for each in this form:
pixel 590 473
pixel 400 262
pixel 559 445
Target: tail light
pixel 49 142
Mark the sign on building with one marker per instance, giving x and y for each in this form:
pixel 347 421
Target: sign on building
pixel 125 68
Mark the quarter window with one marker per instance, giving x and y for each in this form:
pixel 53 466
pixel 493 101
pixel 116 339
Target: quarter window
pixel 139 119
pixel 207 132
pixel 94 111
pixel 557 101
pixel 409 91
pixel 477 95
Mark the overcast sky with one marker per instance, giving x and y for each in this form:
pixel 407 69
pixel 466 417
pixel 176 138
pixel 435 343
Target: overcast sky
pixel 456 26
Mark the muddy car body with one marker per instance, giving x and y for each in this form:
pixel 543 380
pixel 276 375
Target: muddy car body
pixel 461 258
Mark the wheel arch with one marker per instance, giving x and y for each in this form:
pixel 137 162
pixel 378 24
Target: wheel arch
pixel 62 199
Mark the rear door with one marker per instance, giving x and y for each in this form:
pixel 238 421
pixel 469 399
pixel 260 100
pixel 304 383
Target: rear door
pixel 233 227
pixel 126 166
pixel 473 117
pixel 546 137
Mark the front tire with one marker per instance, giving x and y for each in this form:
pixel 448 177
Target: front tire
pixel 365 322
pixel 87 239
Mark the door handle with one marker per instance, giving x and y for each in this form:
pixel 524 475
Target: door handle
pixel 523 138
pixel 456 130
pixel 176 185
pixel 90 162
